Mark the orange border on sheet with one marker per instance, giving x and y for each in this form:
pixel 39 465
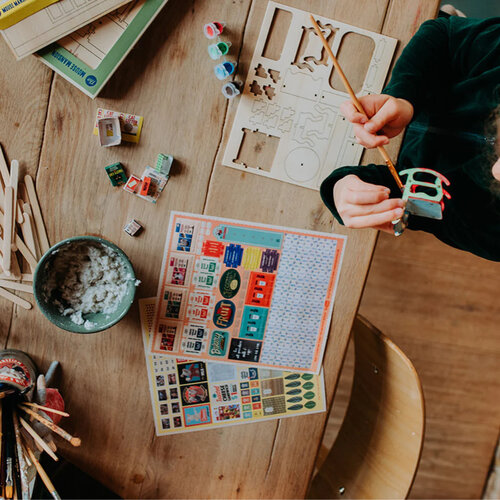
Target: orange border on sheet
pixel 327 312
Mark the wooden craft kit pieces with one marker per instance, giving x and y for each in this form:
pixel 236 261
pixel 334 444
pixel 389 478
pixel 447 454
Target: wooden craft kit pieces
pixel 290 100
pixel 22 232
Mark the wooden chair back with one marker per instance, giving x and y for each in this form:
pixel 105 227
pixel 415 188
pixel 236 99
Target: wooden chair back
pixel 378 448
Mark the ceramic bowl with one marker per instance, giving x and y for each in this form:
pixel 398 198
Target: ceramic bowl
pixel 101 321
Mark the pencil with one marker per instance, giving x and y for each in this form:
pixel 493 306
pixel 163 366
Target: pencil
pixel 355 100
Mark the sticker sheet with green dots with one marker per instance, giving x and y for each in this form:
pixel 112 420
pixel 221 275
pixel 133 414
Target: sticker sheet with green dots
pixel 189 395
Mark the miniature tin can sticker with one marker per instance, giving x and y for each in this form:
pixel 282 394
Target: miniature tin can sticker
pixel 230 283
pixel 224 314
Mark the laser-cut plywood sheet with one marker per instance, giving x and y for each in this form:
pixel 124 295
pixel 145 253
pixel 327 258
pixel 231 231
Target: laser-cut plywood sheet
pixel 288 125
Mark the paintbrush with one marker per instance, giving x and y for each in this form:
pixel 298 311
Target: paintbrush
pixel 355 100
pixel 53 427
pixel 9 452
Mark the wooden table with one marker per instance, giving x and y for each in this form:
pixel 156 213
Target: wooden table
pixel 47 125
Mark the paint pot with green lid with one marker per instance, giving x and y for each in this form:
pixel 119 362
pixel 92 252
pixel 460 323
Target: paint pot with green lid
pixel 218 50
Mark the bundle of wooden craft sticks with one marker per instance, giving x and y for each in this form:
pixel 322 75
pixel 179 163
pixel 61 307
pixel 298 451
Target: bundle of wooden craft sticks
pixel 23 238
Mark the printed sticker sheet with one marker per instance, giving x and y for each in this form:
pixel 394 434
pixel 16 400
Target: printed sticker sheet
pixel 189 395
pixel 241 292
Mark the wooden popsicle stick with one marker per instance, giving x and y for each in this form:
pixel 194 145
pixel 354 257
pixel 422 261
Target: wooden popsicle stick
pixel 15 272
pixel 21 246
pixel 14 182
pixel 28 277
pixel 7 229
pixel 46 409
pixel 4 170
pixel 27 229
pixel 7 179
pixel 27 210
pixel 14 285
pixel 37 214
pixel 43 475
pixel 14 298
pixel 38 439
pixel 53 427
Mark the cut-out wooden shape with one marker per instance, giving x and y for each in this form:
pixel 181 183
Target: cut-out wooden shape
pixel 269 91
pixel 260 71
pixel 298 101
pixel 255 88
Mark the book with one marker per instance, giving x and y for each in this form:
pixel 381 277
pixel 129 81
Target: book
pixel 88 57
pixel 13 11
pixel 54 22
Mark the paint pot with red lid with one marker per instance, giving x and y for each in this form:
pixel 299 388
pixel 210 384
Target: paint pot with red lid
pixel 213 30
pixel 18 372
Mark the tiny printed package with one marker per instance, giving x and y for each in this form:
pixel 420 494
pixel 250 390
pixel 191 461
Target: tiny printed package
pixel 133 228
pixel 153 184
pixel 130 125
pixel 164 164
pixel 109 132
pixel 132 184
pixel 116 174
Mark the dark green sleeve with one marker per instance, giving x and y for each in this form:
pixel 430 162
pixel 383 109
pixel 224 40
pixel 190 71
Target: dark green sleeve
pixel 373 174
pixel 423 71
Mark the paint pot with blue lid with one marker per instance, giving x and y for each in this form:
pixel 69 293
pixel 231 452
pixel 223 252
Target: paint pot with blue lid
pixel 218 50
pixel 225 69
pixel 213 30
pixel 230 90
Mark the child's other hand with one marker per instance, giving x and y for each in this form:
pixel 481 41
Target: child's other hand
pixel 388 117
pixel 366 205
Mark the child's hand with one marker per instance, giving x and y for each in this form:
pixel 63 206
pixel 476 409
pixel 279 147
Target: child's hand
pixel 388 115
pixel 366 205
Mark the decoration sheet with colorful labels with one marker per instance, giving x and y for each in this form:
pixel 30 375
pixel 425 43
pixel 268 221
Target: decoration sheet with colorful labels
pixel 242 292
pixel 190 395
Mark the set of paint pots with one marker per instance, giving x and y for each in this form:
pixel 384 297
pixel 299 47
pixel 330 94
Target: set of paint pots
pixel 217 51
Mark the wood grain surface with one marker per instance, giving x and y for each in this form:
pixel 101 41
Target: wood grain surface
pixel 168 78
